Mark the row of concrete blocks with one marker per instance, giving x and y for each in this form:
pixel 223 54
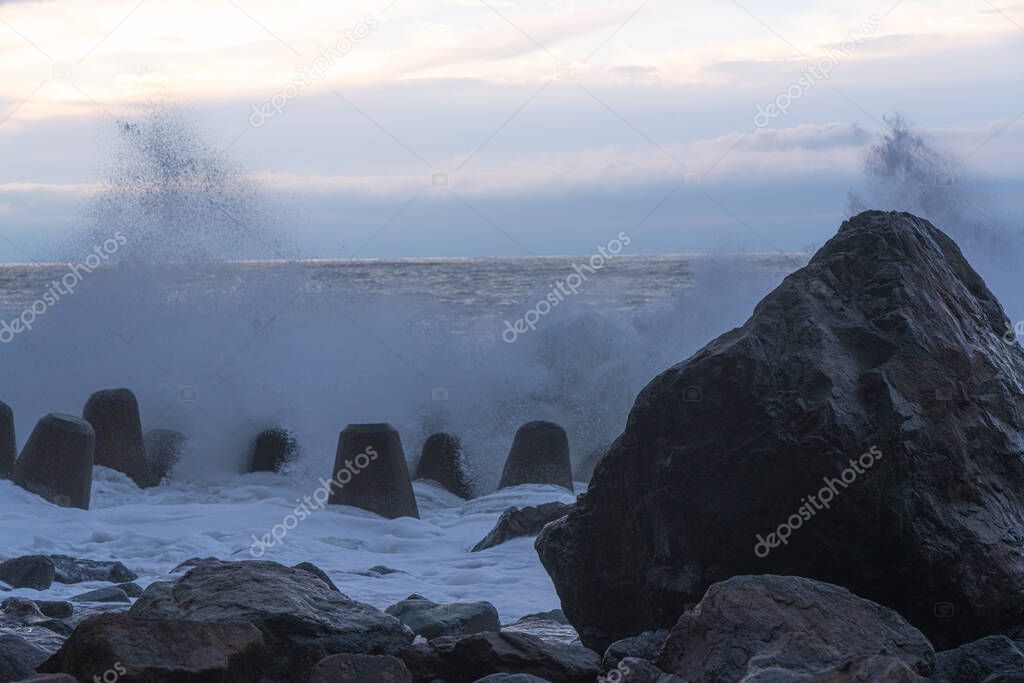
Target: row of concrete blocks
pixel 370 469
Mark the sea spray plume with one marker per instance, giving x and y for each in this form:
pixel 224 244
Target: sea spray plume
pixel 906 171
pixel 179 198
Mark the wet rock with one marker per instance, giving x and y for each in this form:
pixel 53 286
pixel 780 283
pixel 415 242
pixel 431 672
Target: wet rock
pixel 370 472
pixel 18 658
pixel 995 658
pixel 873 669
pixel 164 448
pixel 442 461
pixel 55 609
pixel 432 620
pixel 107 594
pixel 49 678
pixel 273 449
pixel 8 444
pixel 318 573
pixel 131 589
pixel 527 521
pixel 749 625
pixel 555 615
pixel 30 571
pixel 302 619
pixel 877 381
pixel 637 670
pixel 114 415
pixel 57 461
pixel 646 645
pixel 539 455
pixel 351 668
pixel 69 569
pixel 471 657
pixel 150 650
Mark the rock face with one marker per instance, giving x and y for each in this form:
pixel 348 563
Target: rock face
pixel 516 522
pixel 57 460
pixel 273 448
pixel 302 619
pixel 114 415
pixel 18 658
pixel 750 625
pixel 69 569
pixel 433 620
pixel 156 650
pixel 862 428
pixel 30 571
pixel 468 658
pixel 360 669
pixel 370 472
pixel 8 444
pixel 164 448
pixel 539 455
pixel 983 660
pixel 442 461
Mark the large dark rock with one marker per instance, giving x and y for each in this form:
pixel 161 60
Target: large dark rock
pixel 18 658
pixel 8 444
pixel 646 645
pixel 302 619
pixel 750 625
pixel 164 447
pixel 105 594
pixel 467 658
pixel 160 651
pixel 877 382
pixel 30 571
pixel 57 460
pixel 517 522
pixel 69 569
pixel 370 472
pixel 114 414
pixel 995 658
pixel 272 450
pixel 539 455
pixel 433 620
pixel 360 669
pixel 442 461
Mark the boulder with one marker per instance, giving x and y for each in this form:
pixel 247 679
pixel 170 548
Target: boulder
pixel 432 620
pixel 273 449
pixel 750 625
pixel 873 669
pixel 8 444
pixel 57 460
pixel 30 571
pixel 55 609
pixel 350 668
pixel 105 594
pixel 318 573
pixel 160 650
pixel 18 657
pixel 164 447
pixel 302 619
pixel 539 455
pixel 995 658
pixel 442 461
pixel 370 472
pixel 467 658
pixel 863 428
pixel 114 415
pixel 69 569
pixel 517 522
pixel 131 589
pixel 646 645
pixel 637 670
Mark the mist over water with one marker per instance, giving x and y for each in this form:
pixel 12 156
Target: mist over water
pixel 220 349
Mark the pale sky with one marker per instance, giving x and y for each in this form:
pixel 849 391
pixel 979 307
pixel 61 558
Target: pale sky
pixel 556 123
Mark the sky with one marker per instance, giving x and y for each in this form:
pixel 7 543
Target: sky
pixel 385 129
